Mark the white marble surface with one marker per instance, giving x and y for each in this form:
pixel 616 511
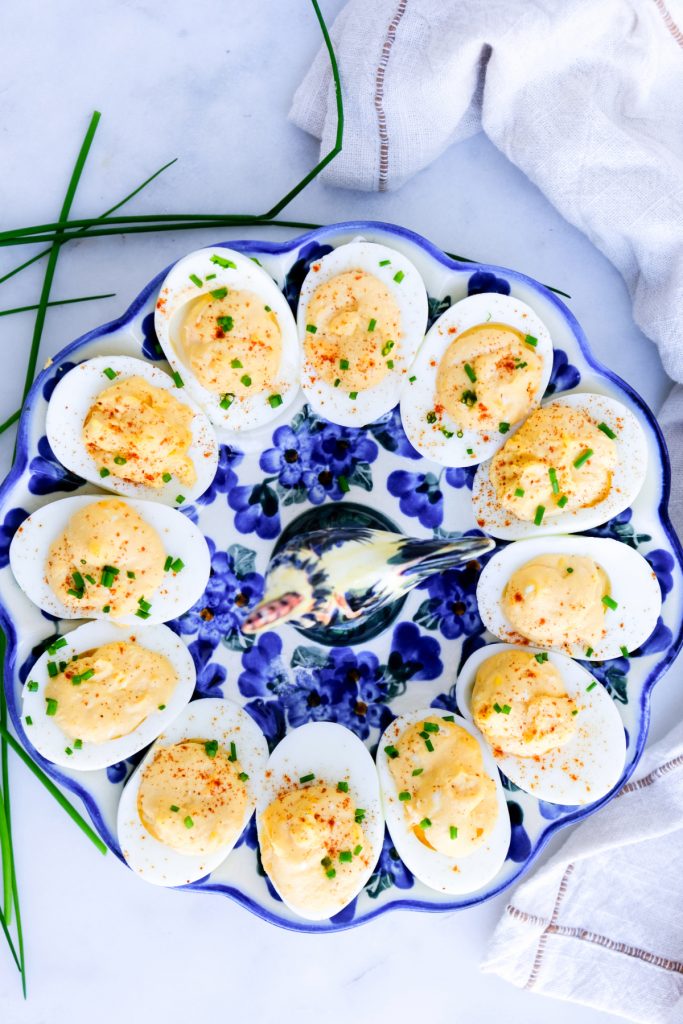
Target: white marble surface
pixel 211 84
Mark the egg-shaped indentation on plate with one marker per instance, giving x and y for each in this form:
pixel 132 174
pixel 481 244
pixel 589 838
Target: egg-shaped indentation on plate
pixel 101 557
pixel 526 699
pixel 483 367
pixel 443 800
pixel 578 461
pixel 188 802
pixel 230 336
pixel 101 693
pixel 319 819
pixel 122 424
pixel 589 597
pixel 361 318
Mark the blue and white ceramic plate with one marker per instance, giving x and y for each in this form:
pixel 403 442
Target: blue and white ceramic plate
pixel 309 466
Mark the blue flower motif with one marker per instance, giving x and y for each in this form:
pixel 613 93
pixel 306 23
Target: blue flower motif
pixel 486 281
pixel 289 459
pixel 451 607
pixel 414 655
pixel 419 496
pixel 621 528
pixel 662 566
pixel 117 772
pixel 553 811
pixel 340 449
pixel 326 689
pixel 563 376
pixel 308 254
pixel 54 378
pixel 10 525
pixel 264 671
pixel 462 476
pixel 390 871
pixel 435 308
pixel 225 478
pixel 660 639
pixel 151 349
pixel 520 844
pixel 388 431
pixel 612 674
pixel 270 718
pixel 210 674
pixel 256 510
pixel 47 475
pixel 233 589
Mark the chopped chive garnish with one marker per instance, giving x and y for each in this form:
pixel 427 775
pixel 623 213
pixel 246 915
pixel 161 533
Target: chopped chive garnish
pixel 417 771
pixel 342 787
pixel 431 417
pixel 470 451
pixel 89 578
pixel 236 364
pixel 180 498
pixel 83 677
pixel 357 850
pixel 468 398
pixel 175 808
pixel 108 372
pixel 246 380
pixel 387 347
pixel 104 472
pixel 145 605
pixel 519 492
pixel 268 309
pixel 506 709
pixel 497 708
pixel 372 325
pixel 405 795
pixel 591 686
pixel 78 744
pixel 390 364
pixel 431 727
pixel 219 293
pixel 470 372
pixel 411 380
pixel 177 379
pixel 209 277
pixel 448 434
pixel 589 651
pixel 425 823
pixel 233 752
pixel 226 323
pixel 606 430
pixel 196 280
pixel 424 735
pixel 311 328
pixel 166 477
pixel 188 822
pixel 51 706
pixel 337 382
pixel 553 481
pixel 243 777
pixel 575 711
pixel 211 748
pixel 429 745
pixel 561 502
pixel 28 720
pixel 331 872
pixel 32 686
pixel 345 856
pixel 359 814
pixel 61 641
pixel 307 778
pixel 177 565
pixel 75 593
pixel 540 658
pixel 168 563
pixel 343 484
pixel 583 457
pixel 624 650
pixel 142 614
pixel 274 401
pixel 609 602
pixel 391 751
pixel 226 400
pixel 161 707
pixel 530 340
pixel 326 862
pixel 52 669
pixel 112 569
pixel 503 428
pixel 68 750
pixel 353 395
pixel 398 276
pixel 106 609
pixel 453 831
pixel 78 583
pixel 384 263
pixel 343 364
pixel 222 262
pixel 538 518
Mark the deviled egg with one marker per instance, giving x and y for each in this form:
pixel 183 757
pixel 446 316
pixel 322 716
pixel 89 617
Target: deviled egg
pixel 187 803
pixel 109 558
pixel 361 318
pixel 588 597
pixel 576 462
pixel 483 367
pixel 230 337
pixel 552 728
pixel 319 819
pixel 122 424
pixel 101 693
pixel 443 800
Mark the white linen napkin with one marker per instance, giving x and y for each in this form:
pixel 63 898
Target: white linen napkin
pixel 586 97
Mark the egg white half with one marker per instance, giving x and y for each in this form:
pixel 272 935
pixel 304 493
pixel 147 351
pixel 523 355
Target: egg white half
pixel 410 296
pixel 181 538
pixel 71 401
pixel 633 585
pixel 628 479
pixel 582 770
pixel 44 731
pixel 210 719
pixel 419 396
pixel 242 273
pixel 445 874
pixel 332 753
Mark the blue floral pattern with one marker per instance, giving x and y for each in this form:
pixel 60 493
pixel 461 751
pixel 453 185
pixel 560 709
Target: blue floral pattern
pixel 48 475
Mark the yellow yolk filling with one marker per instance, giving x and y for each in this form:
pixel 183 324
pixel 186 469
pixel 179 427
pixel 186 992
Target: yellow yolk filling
pixel 139 432
pixel 556 600
pixel 353 331
pixel 558 459
pixel 103 536
pixel 449 800
pixel 233 343
pixel 312 847
pixel 521 704
pixel 192 800
pixel 108 691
